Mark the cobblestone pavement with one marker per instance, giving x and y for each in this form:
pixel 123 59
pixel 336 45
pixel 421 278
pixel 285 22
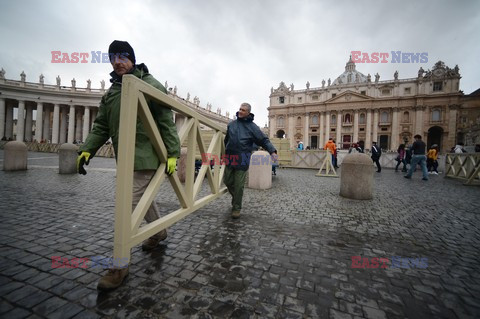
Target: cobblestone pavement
pixel 288 256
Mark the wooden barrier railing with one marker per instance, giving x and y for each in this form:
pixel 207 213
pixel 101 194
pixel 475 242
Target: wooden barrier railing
pixel 465 166
pixel 128 232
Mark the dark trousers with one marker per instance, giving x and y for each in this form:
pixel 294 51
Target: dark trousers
pixel 376 160
pixel 432 165
pixel 404 169
pixel 234 179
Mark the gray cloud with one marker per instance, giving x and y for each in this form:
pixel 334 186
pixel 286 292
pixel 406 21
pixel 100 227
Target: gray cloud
pixel 227 52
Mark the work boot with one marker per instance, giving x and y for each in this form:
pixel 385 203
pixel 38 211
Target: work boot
pixel 153 241
pixel 112 279
pixel 235 214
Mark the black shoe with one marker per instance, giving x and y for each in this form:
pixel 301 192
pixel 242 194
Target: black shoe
pixel 407 176
pixel 424 179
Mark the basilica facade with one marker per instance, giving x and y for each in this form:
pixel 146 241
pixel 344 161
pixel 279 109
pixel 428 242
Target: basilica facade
pixel 356 107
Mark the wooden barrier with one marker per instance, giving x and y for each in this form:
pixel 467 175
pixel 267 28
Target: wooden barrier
pixel 465 166
pixel 327 166
pixel 128 232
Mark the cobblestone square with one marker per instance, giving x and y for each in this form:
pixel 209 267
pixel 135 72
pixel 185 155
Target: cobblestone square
pixel 288 256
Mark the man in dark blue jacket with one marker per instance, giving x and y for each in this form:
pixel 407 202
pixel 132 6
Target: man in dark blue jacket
pixel 376 153
pixel 242 135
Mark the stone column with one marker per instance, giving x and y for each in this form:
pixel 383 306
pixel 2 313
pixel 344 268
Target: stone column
pixel 21 121
pixel 94 116
pixel 29 123
pixel 368 130
pixel 375 127
pixel 46 125
pixel 419 120
pixel 2 118
pixel 9 122
pixel 395 129
pixel 452 127
pixel 71 124
pixel 39 122
pixel 327 128
pixel 56 124
pixel 355 126
pixel 338 139
pixel 78 126
pixel 291 131
pixel 273 126
pixel 86 123
pixel 306 137
pixel 63 125
pixel 321 140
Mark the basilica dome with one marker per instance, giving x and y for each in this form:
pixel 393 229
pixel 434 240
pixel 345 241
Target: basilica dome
pixel 351 75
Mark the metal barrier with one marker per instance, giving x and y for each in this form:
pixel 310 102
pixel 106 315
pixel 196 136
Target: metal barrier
pixel 128 232
pixel 464 166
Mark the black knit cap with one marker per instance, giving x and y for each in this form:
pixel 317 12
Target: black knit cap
pixel 121 48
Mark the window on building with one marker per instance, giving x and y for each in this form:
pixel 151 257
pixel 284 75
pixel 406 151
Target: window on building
pixel 315 120
pixel 384 117
pixel 384 129
pixel 384 142
pixel 347 118
pixel 361 119
pixel 362 129
pixel 334 95
pixel 407 90
pixel 406 117
pixel 314 97
pixel 299 121
pixel 299 100
pixel 386 92
pixel 333 130
pixel 346 139
pixel 333 119
pixel 280 121
pixel 437 86
pixel 363 92
pixel 281 99
pixel 436 115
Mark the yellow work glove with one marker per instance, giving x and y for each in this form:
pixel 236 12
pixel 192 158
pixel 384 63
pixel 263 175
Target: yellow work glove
pixel 171 165
pixel 83 158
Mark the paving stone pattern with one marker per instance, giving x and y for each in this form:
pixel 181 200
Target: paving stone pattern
pixel 288 256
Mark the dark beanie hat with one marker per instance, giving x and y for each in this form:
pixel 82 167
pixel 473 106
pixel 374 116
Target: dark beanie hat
pixel 121 48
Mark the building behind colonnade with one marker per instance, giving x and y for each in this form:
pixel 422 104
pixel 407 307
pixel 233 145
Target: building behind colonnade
pixel 43 112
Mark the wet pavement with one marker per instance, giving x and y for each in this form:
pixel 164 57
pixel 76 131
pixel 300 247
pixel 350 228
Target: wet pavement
pixel 288 256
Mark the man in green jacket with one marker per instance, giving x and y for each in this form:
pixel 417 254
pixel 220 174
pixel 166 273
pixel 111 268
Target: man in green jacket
pixel 107 122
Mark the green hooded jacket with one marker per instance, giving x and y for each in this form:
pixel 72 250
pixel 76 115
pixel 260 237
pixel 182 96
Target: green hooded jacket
pixel 107 123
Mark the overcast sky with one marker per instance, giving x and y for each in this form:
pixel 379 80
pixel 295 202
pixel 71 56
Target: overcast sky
pixel 228 51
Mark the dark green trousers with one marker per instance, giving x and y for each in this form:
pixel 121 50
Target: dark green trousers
pixel 235 181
